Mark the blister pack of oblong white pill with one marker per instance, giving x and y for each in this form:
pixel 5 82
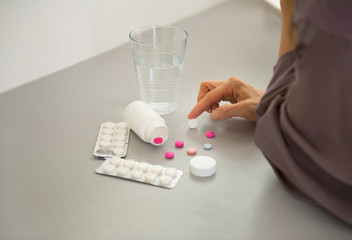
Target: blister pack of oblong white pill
pixel 112 140
pixel 143 172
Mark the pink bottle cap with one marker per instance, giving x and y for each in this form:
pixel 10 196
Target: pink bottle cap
pixel 158 140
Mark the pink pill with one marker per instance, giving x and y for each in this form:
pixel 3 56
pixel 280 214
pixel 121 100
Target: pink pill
pixel 210 134
pixel 169 155
pixel 179 144
pixel 191 151
pixel 158 140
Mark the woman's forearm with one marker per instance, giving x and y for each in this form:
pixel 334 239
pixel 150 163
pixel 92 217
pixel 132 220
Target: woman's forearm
pixel 288 31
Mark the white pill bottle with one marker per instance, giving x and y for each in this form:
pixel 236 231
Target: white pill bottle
pixel 146 123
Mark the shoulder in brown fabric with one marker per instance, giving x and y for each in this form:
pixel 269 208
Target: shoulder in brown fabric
pixel 304 121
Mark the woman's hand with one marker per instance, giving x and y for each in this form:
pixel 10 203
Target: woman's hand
pixel 244 99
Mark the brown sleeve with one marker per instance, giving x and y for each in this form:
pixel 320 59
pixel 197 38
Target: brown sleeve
pixel 304 121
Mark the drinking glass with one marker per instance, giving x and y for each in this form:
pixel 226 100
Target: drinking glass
pixel 158 54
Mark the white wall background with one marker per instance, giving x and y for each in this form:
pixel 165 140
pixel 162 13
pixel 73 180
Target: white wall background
pixel 274 4
pixel 40 37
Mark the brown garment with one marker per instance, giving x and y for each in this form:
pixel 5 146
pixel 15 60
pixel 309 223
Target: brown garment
pixel 304 121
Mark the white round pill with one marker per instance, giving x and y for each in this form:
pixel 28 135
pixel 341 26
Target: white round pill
pixel 120 144
pixel 106 137
pixel 136 174
pixel 129 163
pixel 122 171
pixel 108 131
pixel 165 180
pixel 121 125
pixel 143 166
pixel 104 144
pixel 109 168
pixel 172 172
pixel 121 131
pixel 202 166
pixel 157 169
pixel 150 177
pixel 108 125
pixel 118 151
pixel 192 123
pixel 116 161
pixel 120 137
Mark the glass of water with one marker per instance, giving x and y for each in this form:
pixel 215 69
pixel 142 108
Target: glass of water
pixel 158 54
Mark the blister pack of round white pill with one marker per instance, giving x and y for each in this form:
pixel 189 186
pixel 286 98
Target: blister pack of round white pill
pixel 144 172
pixel 112 140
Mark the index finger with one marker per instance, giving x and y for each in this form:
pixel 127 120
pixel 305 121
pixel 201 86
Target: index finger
pixel 208 86
pixel 212 97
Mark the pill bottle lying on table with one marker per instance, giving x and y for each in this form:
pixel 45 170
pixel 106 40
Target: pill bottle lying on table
pixel 146 123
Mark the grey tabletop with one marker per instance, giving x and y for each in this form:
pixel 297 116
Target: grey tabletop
pixel 48 129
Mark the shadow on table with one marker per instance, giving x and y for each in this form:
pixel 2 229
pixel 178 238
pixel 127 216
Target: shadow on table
pixel 278 215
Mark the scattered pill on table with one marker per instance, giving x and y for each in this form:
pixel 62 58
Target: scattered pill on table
pixel 179 144
pixel 203 166
pixel 192 123
pixel 169 155
pixel 210 134
pixel 191 151
pixel 208 146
